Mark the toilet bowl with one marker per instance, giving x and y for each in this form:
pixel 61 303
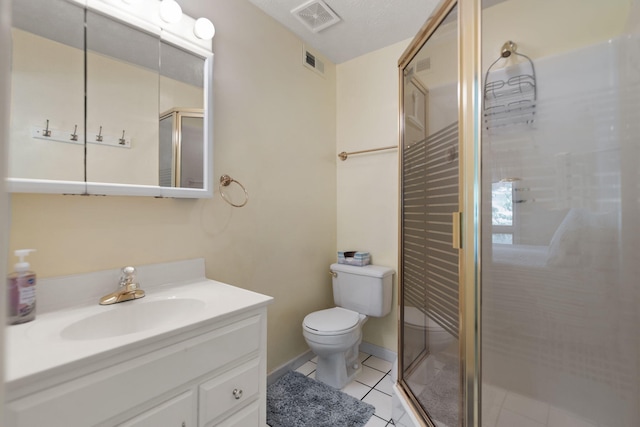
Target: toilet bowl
pixel 335 334
pixel 421 331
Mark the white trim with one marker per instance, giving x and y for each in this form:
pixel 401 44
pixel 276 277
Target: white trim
pixel 401 412
pixel 51 186
pixel 5 90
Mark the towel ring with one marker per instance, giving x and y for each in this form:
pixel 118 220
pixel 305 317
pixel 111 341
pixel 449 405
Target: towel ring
pixel 225 180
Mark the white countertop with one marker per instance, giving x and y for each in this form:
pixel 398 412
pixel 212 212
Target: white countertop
pixel 40 348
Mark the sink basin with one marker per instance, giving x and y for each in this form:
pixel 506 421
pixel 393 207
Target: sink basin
pixel 132 317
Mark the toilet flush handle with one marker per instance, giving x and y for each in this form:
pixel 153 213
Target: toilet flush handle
pixel 333 274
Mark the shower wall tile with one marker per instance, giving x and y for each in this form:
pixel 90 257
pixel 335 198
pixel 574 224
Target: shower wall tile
pixel 530 408
pixel 561 418
pixel 511 419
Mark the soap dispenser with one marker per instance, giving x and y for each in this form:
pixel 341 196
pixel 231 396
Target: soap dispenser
pixel 21 285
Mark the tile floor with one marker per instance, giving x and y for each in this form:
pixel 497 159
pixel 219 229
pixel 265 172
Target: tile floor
pixel 373 385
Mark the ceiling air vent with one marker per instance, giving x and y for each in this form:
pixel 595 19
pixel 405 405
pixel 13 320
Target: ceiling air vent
pixel 316 15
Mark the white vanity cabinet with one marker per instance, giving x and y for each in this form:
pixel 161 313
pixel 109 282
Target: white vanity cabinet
pixel 210 371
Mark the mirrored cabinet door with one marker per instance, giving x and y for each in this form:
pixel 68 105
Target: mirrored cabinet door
pixel 46 139
pixel 123 79
pixel 182 118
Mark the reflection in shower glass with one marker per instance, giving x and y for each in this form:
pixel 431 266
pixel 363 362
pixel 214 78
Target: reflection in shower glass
pixel 502 212
pixel 561 304
pixel 430 307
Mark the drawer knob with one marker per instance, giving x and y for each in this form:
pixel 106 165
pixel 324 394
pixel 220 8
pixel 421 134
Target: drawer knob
pixel 237 393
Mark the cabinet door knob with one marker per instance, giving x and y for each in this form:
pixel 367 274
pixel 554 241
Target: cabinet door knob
pixel 237 393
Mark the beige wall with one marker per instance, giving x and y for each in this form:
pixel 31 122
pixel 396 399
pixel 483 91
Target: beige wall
pixel 367 117
pixel 275 133
pixel 521 20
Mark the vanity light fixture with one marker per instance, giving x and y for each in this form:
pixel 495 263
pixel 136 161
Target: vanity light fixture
pixel 204 29
pixel 170 11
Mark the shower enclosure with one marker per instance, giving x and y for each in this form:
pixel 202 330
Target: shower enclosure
pixel 520 215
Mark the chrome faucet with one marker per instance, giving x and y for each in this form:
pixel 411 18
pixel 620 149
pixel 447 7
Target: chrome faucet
pixel 127 291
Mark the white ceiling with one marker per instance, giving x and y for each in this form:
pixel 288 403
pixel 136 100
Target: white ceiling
pixel 365 26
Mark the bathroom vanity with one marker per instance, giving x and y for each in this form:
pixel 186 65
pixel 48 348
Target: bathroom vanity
pixel 192 352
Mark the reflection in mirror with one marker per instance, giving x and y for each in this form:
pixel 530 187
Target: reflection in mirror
pixel 181 149
pixel 182 159
pixel 47 86
pixel 122 102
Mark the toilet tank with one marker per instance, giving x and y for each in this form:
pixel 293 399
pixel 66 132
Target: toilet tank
pixel 367 290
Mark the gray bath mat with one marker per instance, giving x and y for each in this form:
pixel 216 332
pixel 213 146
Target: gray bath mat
pixel 298 401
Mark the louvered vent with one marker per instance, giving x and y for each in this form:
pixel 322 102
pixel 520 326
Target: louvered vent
pixel 424 64
pixel 312 62
pixel 316 15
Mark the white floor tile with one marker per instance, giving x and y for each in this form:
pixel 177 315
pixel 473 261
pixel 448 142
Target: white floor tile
pixel 362 356
pixel 379 364
pixel 525 406
pixel 356 389
pixel 375 422
pixel 315 359
pixel 381 402
pixel 307 368
pixel 369 376
pixel 561 418
pixel 386 385
pixel 312 375
pixel 511 419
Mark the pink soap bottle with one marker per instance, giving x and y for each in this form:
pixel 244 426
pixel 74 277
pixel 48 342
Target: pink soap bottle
pixel 21 285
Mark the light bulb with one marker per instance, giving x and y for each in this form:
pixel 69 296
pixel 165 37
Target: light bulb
pixel 170 11
pixel 204 29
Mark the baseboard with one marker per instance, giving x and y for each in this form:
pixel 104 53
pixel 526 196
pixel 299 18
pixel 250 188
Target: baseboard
pixel 300 360
pixel 379 352
pixel 291 365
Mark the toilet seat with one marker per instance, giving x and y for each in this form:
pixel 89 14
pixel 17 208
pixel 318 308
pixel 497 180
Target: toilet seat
pixel 332 321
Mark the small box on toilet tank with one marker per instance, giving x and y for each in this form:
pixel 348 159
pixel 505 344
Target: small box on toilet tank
pixel 354 258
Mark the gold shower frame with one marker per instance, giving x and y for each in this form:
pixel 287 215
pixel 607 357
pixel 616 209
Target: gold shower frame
pixel 469 116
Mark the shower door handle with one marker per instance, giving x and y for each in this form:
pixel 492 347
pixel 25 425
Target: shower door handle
pixel 456 241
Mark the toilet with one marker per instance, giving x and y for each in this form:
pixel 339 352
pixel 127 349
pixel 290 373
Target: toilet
pixel 334 334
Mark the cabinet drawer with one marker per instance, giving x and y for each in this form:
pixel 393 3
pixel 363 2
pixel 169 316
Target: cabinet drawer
pixel 177 412
pixel 247 417
pixel 228 392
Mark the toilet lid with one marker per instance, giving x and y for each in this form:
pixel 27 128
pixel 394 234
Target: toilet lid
pixel 332 319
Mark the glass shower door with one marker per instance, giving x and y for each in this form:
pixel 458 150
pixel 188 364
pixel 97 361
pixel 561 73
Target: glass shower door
pixel 561 202
pixel 430 372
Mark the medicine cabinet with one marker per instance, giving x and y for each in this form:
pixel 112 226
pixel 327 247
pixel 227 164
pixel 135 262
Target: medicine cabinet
pixel 91 82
